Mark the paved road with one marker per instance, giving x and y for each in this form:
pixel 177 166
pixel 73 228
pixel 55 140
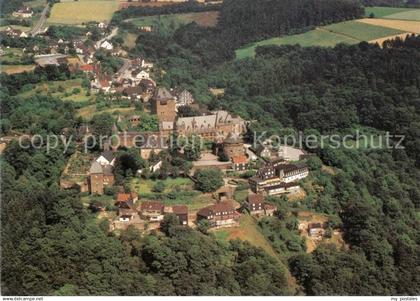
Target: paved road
pixel 41 22
pixel 108 37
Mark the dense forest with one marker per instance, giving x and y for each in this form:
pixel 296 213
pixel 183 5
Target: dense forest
pixel 374 193
pixel 244 21
pixel 52 245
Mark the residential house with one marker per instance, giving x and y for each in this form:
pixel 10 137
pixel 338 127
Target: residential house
pixel 255 204
pixel 126 210
pixel 183 97
pixel 106 158
pixel 221 214
pixel 139 74
pixel 316 230
pixel 107 45
pixel 181 211
pixel 125 197
pixel 152 210
pixel 23 12
pixel 239 163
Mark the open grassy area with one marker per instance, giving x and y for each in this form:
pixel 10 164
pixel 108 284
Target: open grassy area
pixel 82 11
pixel 177 191
pixel 173 21
pixel 349 32
pixel 399 13
pixel 315 37
pixel 247 231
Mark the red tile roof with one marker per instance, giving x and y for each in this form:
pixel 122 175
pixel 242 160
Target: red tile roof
pixel 242 159
pixel 87 68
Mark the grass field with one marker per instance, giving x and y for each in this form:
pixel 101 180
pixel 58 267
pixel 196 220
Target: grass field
pixel 398 13
pixel 349 32
pixel 173 21
pixel 12 56
pixel 13 69
pixel 361 31
pixel 82 11
pixel 35 3
pixel 317 37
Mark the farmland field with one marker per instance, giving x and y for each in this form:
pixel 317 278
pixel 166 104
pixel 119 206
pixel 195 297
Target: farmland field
pixel 398 13
pixel 407 26
pixel 349 32
pixel 362 31
pixel 82 11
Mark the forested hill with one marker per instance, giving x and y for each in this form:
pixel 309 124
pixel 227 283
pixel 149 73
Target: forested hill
pixel 244 21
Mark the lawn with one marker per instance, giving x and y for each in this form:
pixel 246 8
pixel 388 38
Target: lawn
pixel 362 31
pixel 398 13
pixel 315 37
pixel 13 69
pixel 82 11
pixel 248 231
pixel 177 191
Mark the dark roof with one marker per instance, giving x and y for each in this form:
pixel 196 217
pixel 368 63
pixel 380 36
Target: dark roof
pixel 216 208
pixel 180 209
pixel 126 205
pixel 255 198
pixel 108 170
pixel 109 155
pixel 291 167
pixel 163 94
pixel 151 205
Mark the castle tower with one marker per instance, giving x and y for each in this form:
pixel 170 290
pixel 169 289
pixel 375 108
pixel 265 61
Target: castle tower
pixel 96 179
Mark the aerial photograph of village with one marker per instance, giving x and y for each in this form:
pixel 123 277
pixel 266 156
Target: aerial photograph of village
pixel 209 148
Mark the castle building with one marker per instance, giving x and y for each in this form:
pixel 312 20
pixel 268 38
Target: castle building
pixel 233 146
pixel 164 105
pixel 216 126
pixel 100 177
